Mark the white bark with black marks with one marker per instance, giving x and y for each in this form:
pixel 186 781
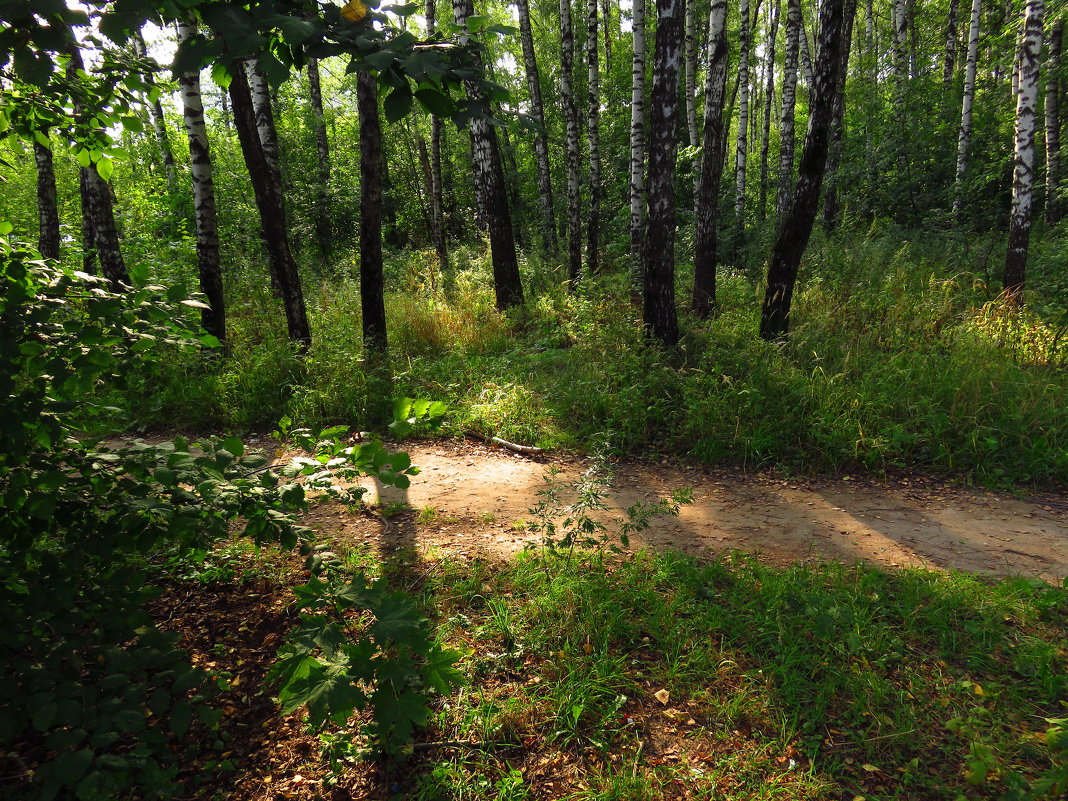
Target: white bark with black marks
pixel 48 238
pixel 769 96
pixel 593 101
pixel 541 138
pixel 964 138
pixel 789 101
pixel 571 135
pixel 637 143
pixel 690 70
pixel 741 150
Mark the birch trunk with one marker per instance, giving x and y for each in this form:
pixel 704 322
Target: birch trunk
pixel 659 313
pixel 541 139
pixel 606 24
pixel 769 96
pixel 900 26
pixel 789 101
pixel 490 175
pixel 966 108
pixel 690 69
pixel 797 223
pixel 207 229
pixel 372 285
pixel 268 133
pixel 159 122
pixel 271 210
pixel 637 145
pixel 1053 124
pixel 567 97
pixel 593 229
pixel 806 56
pixel 707 206
pixel 949 59
pixel 322 146
pixel 47 205
pixel 1023 172
pixel 437 201
pixel 831 205
pixel 88 235
pixel 742 143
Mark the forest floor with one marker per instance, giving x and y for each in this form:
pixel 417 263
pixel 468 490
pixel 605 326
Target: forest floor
pixel 470 503
pixel 472 500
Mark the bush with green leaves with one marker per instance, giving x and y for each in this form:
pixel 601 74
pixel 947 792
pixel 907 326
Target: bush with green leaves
pixel 94 698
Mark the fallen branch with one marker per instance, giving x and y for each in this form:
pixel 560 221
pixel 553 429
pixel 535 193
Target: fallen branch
pixel 526 450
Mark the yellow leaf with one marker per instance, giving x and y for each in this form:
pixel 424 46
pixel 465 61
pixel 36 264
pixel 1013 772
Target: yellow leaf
pixel 978 690
pixel 663 696
pixel 869 767
pixel 354 11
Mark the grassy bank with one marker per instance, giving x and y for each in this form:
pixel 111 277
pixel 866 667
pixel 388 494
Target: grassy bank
pixel 901 356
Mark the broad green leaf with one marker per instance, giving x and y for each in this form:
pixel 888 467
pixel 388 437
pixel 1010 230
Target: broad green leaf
pixel 105 167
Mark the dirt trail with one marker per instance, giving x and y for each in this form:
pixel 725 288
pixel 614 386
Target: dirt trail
pixel 470 499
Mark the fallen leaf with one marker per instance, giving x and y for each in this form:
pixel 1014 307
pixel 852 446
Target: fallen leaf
pixel 869 767
pixel 663 696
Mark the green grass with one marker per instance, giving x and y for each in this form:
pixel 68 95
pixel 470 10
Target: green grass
pixel 806 682
pixel 901 357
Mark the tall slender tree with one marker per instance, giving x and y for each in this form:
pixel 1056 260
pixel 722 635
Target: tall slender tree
pixel 571 142
pixel 541 137
pixel 271 209
pixel 769 97
pixel 789 100
pixel 322 147
pixel 437 201
pixel 593 226
pixel 1053 123
pixel 704 256
pixel 690 71
pixel 659 313
pixel 1024 159
pixel 831 202
pixel 206 218
pixel 637 144
pixel 159 121
pixel 741 151
pixel 950 56
pixel 372 286
pixel 47 204
pixel 489 174
pixel 796 226
pixel 965 136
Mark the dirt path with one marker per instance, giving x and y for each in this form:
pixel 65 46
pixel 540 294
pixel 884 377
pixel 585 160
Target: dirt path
pixel 471 500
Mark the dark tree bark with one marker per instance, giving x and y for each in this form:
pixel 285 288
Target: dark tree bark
pixel 437 202
pixel 831 205
pixel 88 234
pixel 322 145
pixel 637 146
pixel 715 135
pixel 950 57
pixel 659 313
pixel 593 225
pixel 207 227
pixel 47 206
pixel 372 287
pixel 489 174
pixel 571 125
pixel 271 210
pixel 796 226
pixel 541 138
pixel 1053 124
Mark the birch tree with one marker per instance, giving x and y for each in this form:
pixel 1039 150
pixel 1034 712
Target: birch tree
pixel 489 174
pixel 47 203
pixel 690 71
pixel 637 143
pixel 1053 124
pixel 437 201
pixel 769 96
pixel 571 142
pixel 742 143
pixel 707 206
pixel 796 226
pixel 593 133
pixel 789 100
pixel 1024 158
pixel 322 147
pixel 206 218
pixel 659 313
pixel 949 58
pixel 964 138
pixel 541 138
pixel 831 204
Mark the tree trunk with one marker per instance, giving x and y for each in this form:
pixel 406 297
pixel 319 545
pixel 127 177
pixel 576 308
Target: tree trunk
pixel 271 210
pixel 372 286
pixel 831 206
pixel 1023 171
pixel 268 132
pixel 88 234
pixel 322 145
pixel 659 313
pixel 490 175
pixel 637 145
pixel 158 120
pixel 541 138
pixel 1053 124
pixel 47 205
pixel 567 97
pixel 901 66
pixel 207 227
pixel 806 57
pixel 769 96
pixel 606 24
pixel 704 256
pixel 966 108
pixel 949 59
pixel 690 69
pixel 797 223
pixel 593 227
pixel 437 202
pixel 789 101
pixel 741 150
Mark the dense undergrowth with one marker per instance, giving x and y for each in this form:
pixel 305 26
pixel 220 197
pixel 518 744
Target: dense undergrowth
pixel 901 356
